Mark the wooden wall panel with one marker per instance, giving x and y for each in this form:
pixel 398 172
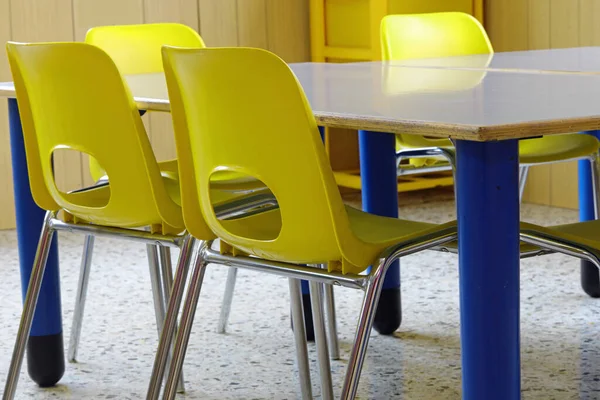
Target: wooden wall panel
pixel 7 205
pixel 288 28
pixel 219 22
pixel 252 23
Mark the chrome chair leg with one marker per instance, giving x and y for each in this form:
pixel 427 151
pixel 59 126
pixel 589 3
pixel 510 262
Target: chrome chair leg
pixel 365 323
pixel 332 334
pixel 33 291
pixel 329 300
pixel 156 283
pixel 82 286
pixel 523 172
pixel 300 338
pixel 187 319
pixel 170 323
pixel 227 299
pixel 321 341
pixel 166 268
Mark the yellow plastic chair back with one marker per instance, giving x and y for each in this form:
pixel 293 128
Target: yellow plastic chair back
pixel 442 34
pixel 232 102
pixel 135 49
pixel 71 96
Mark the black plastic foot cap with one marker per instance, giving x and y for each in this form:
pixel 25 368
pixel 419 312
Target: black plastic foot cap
pixel 590 279
pixel 389 312
pixel 46 359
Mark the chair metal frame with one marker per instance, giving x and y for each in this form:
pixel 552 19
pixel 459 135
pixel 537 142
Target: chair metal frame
pixel 371 284
pixel 248 204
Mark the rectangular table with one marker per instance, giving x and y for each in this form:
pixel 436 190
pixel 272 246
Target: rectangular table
pixel 484 112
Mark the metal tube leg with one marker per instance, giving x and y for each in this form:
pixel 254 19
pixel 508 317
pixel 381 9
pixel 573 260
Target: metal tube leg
pixel 155 281
pixel 363 330
pixel 321 341
pixel 167 281
pixel 334 345
pixel 227 299
pixel 84 279
pixel 300 339
pixel 488 244
pixel 523 172
pixel 33 291
pixel 187 319
pixel 329 300
pixel 170 323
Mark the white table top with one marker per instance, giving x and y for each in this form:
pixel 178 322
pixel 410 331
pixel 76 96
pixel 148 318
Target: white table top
pixel 577 59
pixel 463 104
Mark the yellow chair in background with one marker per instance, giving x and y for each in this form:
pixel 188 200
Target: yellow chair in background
pixel 312 226
pixel 458 34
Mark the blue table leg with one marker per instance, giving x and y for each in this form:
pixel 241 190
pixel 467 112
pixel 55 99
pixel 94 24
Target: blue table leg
pixel 45 351
pixel 590 278
pixel 380 196
pixel 488 227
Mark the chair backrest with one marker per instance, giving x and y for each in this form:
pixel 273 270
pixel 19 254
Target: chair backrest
pixel 432 35
pixel 71 96
pixel 242 110
pixel 443 34
pixel 136 50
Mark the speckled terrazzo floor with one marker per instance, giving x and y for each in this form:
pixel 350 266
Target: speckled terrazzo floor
pixel 255 360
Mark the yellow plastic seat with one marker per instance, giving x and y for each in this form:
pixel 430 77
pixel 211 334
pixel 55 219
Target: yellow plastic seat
pixel 312 225
pixel 447 34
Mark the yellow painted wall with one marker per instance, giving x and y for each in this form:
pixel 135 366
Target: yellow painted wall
pixel 544 24
pixel 278 25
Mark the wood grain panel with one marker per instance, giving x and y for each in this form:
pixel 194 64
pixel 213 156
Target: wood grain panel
pixel 564 184
pixel 252 23
pixel 507 24
pixel 88 14
pixel 539 24
pixel 7 216
pixel 49 20
pixel 182 11
pixel 288 29
pixel 564 22
pixel 218 22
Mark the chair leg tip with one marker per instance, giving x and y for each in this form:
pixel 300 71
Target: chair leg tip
pixel 45 359
pixel 389 312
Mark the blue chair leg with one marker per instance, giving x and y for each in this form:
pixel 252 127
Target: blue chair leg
pixel 590 278
pixel 488 228
pixel 45 349
pixel 380 196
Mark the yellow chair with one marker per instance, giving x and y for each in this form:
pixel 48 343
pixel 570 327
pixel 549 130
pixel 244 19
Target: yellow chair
pixel 65 91
pixel 457 34
pixel 312 226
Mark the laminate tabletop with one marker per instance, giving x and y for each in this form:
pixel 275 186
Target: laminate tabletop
pixel 480 105
pixel 571 60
